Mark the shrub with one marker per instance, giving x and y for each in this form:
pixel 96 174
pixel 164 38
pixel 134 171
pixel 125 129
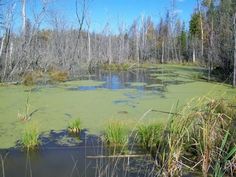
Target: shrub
pixel 59 76
pixel 31 78
pixel 116 67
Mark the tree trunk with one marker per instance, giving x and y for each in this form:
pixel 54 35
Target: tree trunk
pixel 137 47
pixel 89 48
pixel 194 53
pixel 23 14
pixel 211 52
pixel 110 54
pixel 163 50
pixel 201 25
pixel 2 44
pixel 234 78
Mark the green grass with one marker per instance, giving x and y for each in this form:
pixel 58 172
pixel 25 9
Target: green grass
pixel 30 138
pixel 149 135
pixel 75 126
pixel 116 134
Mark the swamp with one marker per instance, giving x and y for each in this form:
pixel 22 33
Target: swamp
pixel 145 95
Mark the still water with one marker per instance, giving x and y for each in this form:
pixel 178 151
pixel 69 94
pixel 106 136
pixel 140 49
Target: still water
pixel 89 157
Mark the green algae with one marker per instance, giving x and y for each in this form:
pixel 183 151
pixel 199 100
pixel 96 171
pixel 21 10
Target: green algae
pixel 154 85
pixel 82 83
pixel 137 84
pixel 57 106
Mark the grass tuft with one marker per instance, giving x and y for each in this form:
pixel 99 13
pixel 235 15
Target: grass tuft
pixel 30 138
pixel 149 135
pixel 75 127
pixel 116 134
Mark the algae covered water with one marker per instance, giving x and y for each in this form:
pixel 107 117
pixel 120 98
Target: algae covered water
pixel 106 96
pixel 139 95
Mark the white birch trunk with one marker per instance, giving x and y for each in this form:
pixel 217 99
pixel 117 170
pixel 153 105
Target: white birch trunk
pixel 23 14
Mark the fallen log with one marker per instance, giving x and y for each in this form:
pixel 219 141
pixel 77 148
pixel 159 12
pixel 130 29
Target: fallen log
pixel 118 156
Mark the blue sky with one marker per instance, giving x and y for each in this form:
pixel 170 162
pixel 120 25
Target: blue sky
pixel 114 11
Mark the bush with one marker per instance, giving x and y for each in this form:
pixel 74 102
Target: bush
pixel 116 67
pixel 31 78
pixel 59 76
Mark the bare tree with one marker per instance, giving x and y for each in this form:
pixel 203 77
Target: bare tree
pixel 88 22
pixel 81 12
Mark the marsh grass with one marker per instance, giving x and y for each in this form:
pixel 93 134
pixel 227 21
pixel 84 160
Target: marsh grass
pixel 148 136
pixel 3 158
pixel 30 138
pixel 203 124
pixel 75 127
pixel 116 133
pixel 224 159
pixel 26 115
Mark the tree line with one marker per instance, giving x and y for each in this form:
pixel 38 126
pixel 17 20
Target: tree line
pixel 209 39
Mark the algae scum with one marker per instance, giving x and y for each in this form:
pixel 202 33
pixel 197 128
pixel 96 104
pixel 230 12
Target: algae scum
pixel 95 99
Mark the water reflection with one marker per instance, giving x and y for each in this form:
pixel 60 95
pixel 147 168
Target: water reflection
pixel 151 79
pixel 86 157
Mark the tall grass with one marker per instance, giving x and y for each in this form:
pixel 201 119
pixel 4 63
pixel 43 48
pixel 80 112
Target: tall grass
pixel 30 138
pixel 203 124
pixel 26 115
pixel 116 133
pixel 149 135
pixel 3 158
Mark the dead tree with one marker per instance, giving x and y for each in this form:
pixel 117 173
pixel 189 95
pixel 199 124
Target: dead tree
pixel 81 7
pixel 201 26
pixel 23 15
